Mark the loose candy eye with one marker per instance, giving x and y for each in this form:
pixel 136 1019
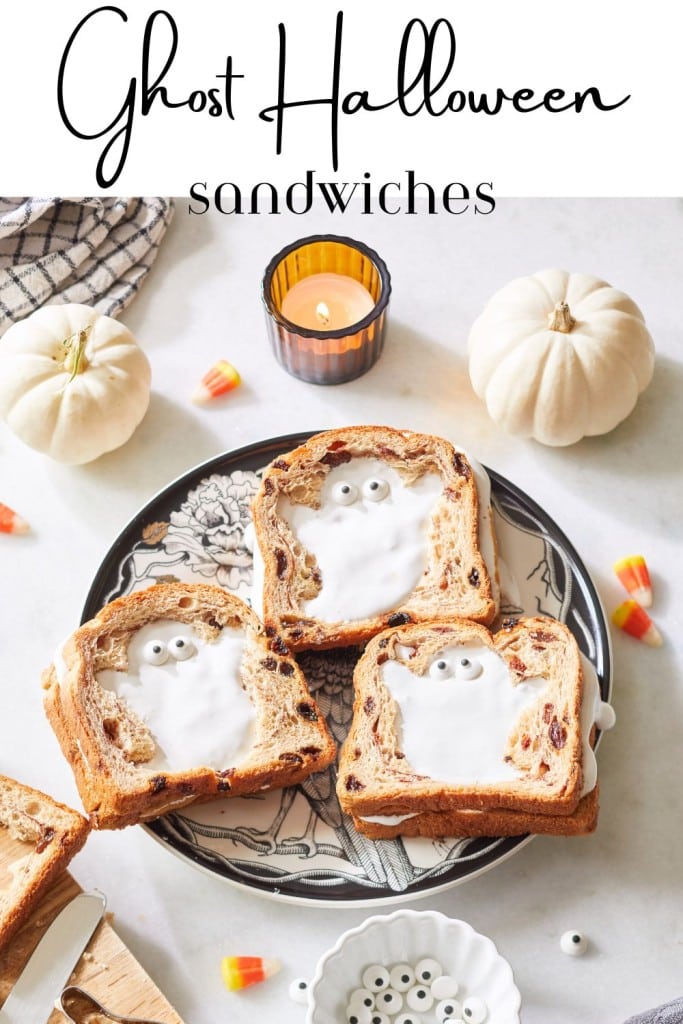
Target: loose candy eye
pixel 573 943
pixel 439 669
pixel 380 1018
pixel 298 991
pixel 468 668
pixel 427 970
pixel 448 1009
pixel 376 977
pixel 406 1018
pixel 155 652
pixel 419 998
pixel 390 1001
pixel 474 1010
pixel 402 977
pixel 181 647
pixel 375 490
pixel 344 493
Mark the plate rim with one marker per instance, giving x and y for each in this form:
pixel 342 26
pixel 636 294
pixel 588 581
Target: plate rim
pixel 586 578
pixel 244 452
pixel 404 896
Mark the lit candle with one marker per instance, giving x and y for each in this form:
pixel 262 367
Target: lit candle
pixel 327 302
pixel 326 299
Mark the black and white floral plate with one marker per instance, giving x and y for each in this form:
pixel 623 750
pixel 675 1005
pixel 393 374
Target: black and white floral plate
pixel 295 844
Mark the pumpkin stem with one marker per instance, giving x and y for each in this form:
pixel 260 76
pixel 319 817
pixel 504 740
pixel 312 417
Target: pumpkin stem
pixel 561 319
pixel 75 361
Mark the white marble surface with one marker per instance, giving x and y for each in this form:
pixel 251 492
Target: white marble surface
pixel 612 495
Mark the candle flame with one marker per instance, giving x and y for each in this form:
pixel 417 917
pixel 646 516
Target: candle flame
pixel 323 313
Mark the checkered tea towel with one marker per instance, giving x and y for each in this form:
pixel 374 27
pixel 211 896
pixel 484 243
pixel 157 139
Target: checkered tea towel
pixel 97 251
pixel 668 1013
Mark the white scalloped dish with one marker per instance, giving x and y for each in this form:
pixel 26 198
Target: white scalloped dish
pixel 409 936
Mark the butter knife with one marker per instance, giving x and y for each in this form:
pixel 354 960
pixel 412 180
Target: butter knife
pixel 39 985
pixel 79 1006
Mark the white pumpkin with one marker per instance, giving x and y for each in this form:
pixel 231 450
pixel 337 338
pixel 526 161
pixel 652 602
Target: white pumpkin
pixel 73 383
pixel 557 356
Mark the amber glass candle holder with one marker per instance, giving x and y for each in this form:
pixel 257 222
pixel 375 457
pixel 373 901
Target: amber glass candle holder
pixel 329 329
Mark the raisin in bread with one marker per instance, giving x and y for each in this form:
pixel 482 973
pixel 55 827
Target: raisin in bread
pixel 38 838
pixel 448 718
pixel 176 693
pixel 364 527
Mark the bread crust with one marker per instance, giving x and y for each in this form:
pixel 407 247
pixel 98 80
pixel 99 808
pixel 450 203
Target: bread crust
pixel 456 581
pixel 544 745
pixel 496 822
pixel 44 835
pixel 107 745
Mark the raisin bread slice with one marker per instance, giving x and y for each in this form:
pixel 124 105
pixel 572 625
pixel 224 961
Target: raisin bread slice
pixel 177 693
pixel 364 527
pixel 38 838
pixel 448 717
pixel 495 822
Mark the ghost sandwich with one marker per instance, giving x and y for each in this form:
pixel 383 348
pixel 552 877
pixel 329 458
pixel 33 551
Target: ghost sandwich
pixel 175 694
pixel 458 732
pixel 367 527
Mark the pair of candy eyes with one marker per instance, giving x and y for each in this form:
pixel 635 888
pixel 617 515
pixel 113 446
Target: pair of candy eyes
pixel 375 489
pixel 156 652
pixel 464 668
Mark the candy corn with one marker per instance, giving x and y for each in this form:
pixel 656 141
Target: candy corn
pixel 635 621
pixel 10 522
pixel 633 573
pixel 241 971
pixel 220 379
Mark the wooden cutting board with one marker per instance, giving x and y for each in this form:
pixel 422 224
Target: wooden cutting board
pixel 107 969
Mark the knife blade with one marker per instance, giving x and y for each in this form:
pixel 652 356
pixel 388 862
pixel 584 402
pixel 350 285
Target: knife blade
pixel 37 989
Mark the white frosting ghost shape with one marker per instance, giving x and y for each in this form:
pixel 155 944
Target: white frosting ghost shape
pixel 453 722
pixel 369 537
pixel 189 694
pixel 594 711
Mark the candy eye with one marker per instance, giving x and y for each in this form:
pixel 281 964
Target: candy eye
pixel 375 489
pixel 298 991
pixel 427 970
pixel 390 1001
pixel 181 647
pixel 344 493
pixel 358 1014
pixel 362 996
pixel 419 998
pixel 573 943
pixel 474 1010
pixel 375 977
pixel 448 1009
pixel 155 652
pixel 467 668
pixel 445 987
pixel 439 669
pixel 402 977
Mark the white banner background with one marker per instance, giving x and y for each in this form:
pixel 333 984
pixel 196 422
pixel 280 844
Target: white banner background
pixel 620 48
